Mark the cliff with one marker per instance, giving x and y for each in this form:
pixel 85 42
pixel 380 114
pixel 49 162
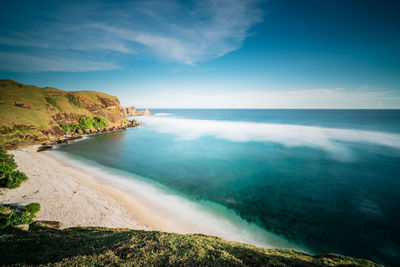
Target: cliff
pixel 32 115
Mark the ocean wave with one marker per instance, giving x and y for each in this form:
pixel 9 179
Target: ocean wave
pixel 162 114
pixel 329 139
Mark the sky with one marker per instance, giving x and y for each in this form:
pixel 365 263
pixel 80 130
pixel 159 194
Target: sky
pixel 211 53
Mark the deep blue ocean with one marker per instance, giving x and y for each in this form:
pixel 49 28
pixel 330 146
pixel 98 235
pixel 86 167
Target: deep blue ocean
pixel 326 180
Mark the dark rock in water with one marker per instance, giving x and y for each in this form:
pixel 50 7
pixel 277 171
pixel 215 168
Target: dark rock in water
pixel 44 147
pixel 133 123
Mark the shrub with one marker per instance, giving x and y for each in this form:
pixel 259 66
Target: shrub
pixel 52 102
pixel 65 127
pixel 6 158
pixel 33 208
pixel 74 101
pixel 74 127
pixel 86 122
pixel 99 122
pixel 9 177
pixel 5 170
pixel 4 209
pixel 70 127
pixel 9 217
pixel 14 179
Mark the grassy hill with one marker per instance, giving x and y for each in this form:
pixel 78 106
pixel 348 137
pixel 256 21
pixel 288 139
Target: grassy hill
pixel 30 114
pixel 89 246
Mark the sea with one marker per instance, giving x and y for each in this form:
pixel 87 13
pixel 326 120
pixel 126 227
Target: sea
pixel 322 181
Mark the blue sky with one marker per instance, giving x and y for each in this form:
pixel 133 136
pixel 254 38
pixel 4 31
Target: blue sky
pixel 209 54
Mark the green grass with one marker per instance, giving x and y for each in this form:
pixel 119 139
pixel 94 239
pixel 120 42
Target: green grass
pixel 89 246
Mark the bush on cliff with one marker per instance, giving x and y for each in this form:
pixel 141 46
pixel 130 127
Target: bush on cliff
pixel 86 122
pixel 99 122
pixel 74 101
pixel 52 102
pixel 70 128
pixel 9 176
pixel 9 217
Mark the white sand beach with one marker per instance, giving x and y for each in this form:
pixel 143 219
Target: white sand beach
pixel 66 194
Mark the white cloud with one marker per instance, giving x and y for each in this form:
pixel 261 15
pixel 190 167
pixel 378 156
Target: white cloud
pixel 187 34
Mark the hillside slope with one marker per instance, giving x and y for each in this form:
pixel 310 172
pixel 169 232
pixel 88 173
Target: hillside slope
pixel 30 114
pixel 89 246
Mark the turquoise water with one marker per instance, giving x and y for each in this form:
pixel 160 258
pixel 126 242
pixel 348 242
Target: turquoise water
pixel 327 180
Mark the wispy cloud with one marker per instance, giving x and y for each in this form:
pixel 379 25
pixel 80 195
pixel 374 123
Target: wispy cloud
pixel 168 30
pixel 21 62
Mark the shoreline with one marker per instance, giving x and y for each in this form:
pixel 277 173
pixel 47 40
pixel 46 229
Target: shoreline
pixel 77 193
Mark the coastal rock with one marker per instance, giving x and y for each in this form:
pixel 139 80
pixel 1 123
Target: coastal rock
pixel 133 123
pixel 132 111
pixel 129 111
pixel 55 132
pixel 146 112
pixel 44 148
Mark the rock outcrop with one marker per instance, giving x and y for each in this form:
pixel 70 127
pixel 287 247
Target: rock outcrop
pixel 130 111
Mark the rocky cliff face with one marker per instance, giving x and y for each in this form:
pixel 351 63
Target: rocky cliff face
pixel 30 114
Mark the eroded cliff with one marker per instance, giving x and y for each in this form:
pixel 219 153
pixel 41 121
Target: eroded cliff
pixel 32 115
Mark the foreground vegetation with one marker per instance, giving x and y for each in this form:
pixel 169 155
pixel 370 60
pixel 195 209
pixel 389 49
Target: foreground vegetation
pixel 9 176
pixel 103 247
pixel 11 217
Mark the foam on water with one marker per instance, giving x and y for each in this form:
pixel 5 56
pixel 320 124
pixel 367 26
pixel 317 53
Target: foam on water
pixel 328 139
